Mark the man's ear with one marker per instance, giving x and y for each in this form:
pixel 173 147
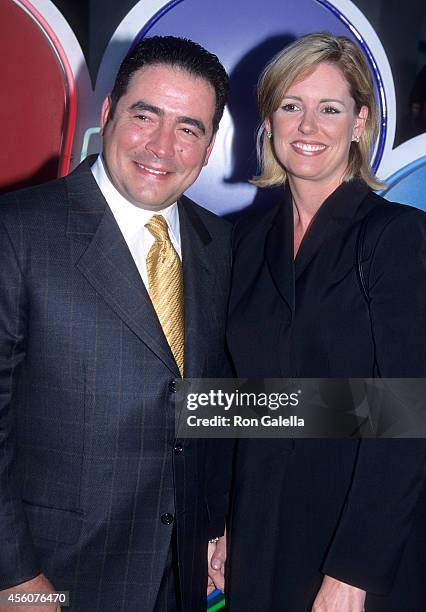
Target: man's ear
pixel 209 149
pixel 105 113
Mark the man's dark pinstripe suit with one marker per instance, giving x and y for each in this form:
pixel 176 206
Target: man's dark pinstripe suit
pixel 90 473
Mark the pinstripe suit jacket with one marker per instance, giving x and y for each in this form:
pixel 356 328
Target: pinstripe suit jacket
pixel 89 464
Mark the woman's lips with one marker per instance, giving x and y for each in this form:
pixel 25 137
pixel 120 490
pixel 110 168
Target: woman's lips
pixel 308 148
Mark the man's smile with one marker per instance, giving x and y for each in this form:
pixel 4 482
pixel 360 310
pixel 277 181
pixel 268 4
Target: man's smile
pixel 152 170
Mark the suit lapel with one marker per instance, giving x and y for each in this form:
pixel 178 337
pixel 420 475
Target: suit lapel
pixel 339 208
pixel 108 265
pixel 198 275
pixel 279 251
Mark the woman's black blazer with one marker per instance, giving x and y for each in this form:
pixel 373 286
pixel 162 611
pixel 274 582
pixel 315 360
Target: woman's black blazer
pixel 355 510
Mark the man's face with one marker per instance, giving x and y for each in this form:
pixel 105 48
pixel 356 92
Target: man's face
pixel 160 135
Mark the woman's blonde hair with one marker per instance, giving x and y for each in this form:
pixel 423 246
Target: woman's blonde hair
pixel 297 61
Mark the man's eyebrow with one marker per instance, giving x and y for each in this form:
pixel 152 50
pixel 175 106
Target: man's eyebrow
pixel 191 121
pixel 140 105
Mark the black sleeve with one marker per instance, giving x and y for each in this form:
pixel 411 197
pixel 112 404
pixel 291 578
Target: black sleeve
pixel 220 453
pixel 389 474
pixel 218 477
pixel 18 561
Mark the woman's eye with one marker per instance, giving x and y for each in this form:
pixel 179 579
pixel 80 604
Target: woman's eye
pixel 330 110
pixel 290 107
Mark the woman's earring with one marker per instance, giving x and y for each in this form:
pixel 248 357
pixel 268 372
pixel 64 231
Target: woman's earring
pixel 355 138
pixel 269 134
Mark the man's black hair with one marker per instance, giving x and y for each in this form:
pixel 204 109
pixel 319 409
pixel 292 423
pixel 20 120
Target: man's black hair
pixel 177 52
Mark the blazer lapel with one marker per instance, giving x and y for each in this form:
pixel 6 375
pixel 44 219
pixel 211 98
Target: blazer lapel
pixel 340 206
pixel 198 275
pixel 108 265
pixel 279 251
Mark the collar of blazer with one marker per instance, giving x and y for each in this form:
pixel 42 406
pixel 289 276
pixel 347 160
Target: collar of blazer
pixel 339 209
pixel 107 264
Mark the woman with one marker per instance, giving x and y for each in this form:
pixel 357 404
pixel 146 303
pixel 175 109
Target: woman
pixel 327 525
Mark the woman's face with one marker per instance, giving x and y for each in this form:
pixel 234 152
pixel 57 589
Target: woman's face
pixel 314 126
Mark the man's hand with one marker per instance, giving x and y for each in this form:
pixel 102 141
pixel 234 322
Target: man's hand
pixel 216 557
pixel 336 596
pixel 39 584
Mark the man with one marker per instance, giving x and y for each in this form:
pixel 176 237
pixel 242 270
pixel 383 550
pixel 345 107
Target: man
pixel 113 284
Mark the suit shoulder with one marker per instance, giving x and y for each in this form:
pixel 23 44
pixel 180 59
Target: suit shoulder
pixel 254 224
pixel 393 218
pixel 213 222
pixel 393 209
pixel 32 200
pixel 393 229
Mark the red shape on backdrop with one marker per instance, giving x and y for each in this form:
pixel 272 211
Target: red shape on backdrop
pixel 38 101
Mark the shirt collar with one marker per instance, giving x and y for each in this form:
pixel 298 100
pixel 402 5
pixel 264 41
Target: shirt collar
pixel 129 217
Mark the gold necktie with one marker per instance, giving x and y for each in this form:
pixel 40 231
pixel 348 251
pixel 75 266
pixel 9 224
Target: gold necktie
pixel 166 286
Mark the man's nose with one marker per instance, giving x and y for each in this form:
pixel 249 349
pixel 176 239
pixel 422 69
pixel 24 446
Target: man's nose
pixel 308 123
pixel 161 142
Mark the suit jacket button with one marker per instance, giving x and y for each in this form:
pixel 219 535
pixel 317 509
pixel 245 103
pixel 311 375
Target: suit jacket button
pixel 167 519
pixel 172 386
pixel 178 448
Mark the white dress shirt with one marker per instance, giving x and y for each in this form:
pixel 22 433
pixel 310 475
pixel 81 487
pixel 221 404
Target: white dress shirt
pixel 131 220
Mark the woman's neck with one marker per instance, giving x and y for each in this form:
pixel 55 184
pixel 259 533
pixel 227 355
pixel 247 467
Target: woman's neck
pixel 308 197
